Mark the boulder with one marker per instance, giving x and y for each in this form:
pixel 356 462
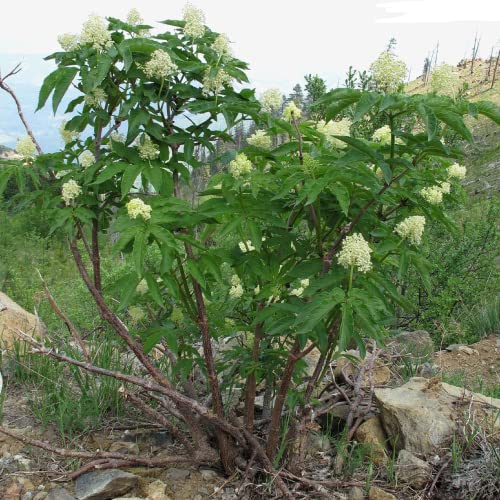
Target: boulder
pixel 422 415
pixel 418 343
pixel 351 365
pixel 103 485
pixel 371 433
pixel 356 493
pixel 380 494
pixel 411 470
pixel 13 318
pixel 157 490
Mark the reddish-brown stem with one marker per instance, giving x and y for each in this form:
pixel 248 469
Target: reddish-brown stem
pixel 96 258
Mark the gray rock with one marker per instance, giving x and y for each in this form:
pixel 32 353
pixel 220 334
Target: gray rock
pixel 380 494
pixel 59 494
pixel 411 470
pixel 177 474
pixel 454 347
pixel 356 493
pixel 103 485
pixel 41 495
pixel 209 474
pixel 418 343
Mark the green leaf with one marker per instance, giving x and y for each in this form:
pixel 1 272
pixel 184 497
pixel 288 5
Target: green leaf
pixel 342 194
pixel 138 117
pixel 154 289
pixel 429 119
pixel 102 69
pixel 129 176
pixel 139 252
pixel 64 79
pixel 346 327
pixel 489 109
pixel 46 89
pixel 364 105
pixel 255 235
pixel 110 171
pixel 454 121
pixel 195 272
pixel 315 311
pixel 153 337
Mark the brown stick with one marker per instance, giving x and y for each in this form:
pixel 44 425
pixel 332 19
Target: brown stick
pixel 96 258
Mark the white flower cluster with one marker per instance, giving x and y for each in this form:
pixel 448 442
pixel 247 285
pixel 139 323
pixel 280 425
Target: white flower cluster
pixel 195 21
pixel 95 98
pixel 382 135
pixel 260 140
pixel 445 187
pixel 136 314
pixel 342 127
pixel 411 229
pixel 299 291
pixel 118 137
pixel 291 111
pixel 236 290
pixel 240 166
pixel 86 159
pixel 70 191
pixel 432 194
pixel 26 148
pixel 68 135
pixel 388 71
pixel 160 65
pixel 215 83
pixel 456 171
pixel 61 174
pixel 271 100
pixel 177 317
pixel 134 17
pixel 137 208
pixel 445 80
pixel 355 252
pixel 246 246
pixel 96 34
pixel 221 45
pixel 68 41
pixel 148 150
pixel 142 287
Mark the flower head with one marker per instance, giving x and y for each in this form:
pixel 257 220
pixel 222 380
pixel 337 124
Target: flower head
pixel 86 159
pixel 221 45
pixel 445 80
pixel 118 137
pixel 177 317
pixel 67 135
pixel 445 187
pixel 160 65
pixel 240 166
pixel 291 111
pixel 260 140
pixel 26 148
pixel 246 246
pixel 411 229
pixel 355 252
pixel 96 97
pixel 68 41
pixel 304 283
pixel 142 287
pixel 432 194
pixel 382 135
pixel 214 83
pixel 137 208
pixel 456 171
pixel 330 129
pixel 70 191
pixel 95 33
pixel 297 291
pixel 236 290
pixel 148 150
pixel 136 314
pixel 388 71
pixel 271 100
pixel 134 17
pixel 195 20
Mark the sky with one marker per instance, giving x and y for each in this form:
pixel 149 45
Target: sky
pixel 282 40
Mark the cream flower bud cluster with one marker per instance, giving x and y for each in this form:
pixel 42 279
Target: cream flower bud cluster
pixel 271 100
pixel 355 252
pixel 330 129
pixel 86 159
pixel 26 148
pixel 134 17
pixel 95 98
pixel 68 135
pixel 160 65
pixel 136 314
pixel 215 83
pixel 411 229
pixel 260 140
pixel 195 20
pixel 177 317
pixel 292 112
pixel 142 287
pixel 240 166
pixel 382 135
pixel 299 291
pixel 61 174
pixel 456 171
pixel 118 137
pixel 68 41
pixel 70 191
pixel 96 34
pixel 236 290
pixel 445 187
pixel 445 80
pixel 137 208
pixel 221 45
pixel 432 194
pixel 148 150
pixel 246 246
pixel 388 71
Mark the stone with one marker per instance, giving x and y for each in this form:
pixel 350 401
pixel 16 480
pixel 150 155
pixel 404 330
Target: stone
pixel 175 474
pixel 371 432
pixel 59 494
pixel 156 490
pixel 318 443
pixel 13 491
pixel 381 374
pixel 417 343
pixel 41 495
pixel 421 416
pixel 467 350
pixel 103 485
pixel 125 447
pixel 209 474
pixel 356 493
pixel 412 470
pixel 454 347
pixel 13 318
pixel 380 494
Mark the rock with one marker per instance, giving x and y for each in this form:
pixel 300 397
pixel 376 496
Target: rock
pixel 467 350
pixel 12 318
pixel 428 370
pixel 379 494
pixel 345 366
pixel 209 474
pixel 14 491
pixel 41 495
pixel 318 443
pixel 454 347
pixel 411 470
pixel 156 490
pixel 356 493
pixel 421 416
pixel 124 447
pixel 103 485
pixel 59 494
pixel 417 343
pixel 371 432
pixel 178 474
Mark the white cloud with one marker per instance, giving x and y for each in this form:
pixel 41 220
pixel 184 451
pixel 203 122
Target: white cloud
pixel 7 137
